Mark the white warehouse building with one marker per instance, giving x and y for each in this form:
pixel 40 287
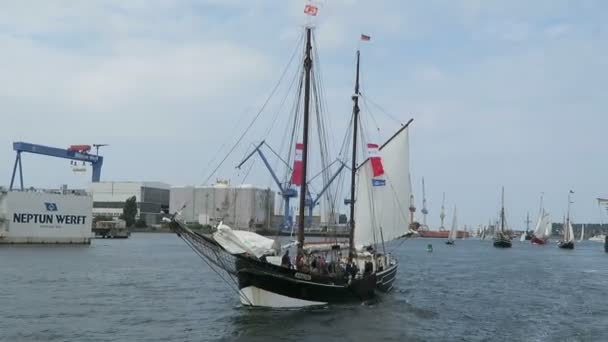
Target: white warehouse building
pixel 152 199
pixel 242 207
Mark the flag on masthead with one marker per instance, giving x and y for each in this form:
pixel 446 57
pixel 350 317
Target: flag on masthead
pixel 365 37
pixel 311 10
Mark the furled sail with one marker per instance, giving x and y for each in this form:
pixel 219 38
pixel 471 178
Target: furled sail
pixel 381 203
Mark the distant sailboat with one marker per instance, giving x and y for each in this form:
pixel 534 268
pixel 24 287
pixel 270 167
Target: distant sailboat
pixel 453 232
pixel 541 233
pixel 568 239
pixel 582 233
pixel 501 237
pixel 522 238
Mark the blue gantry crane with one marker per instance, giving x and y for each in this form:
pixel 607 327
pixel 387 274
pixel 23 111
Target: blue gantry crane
pixel 74 152
pixel 286 191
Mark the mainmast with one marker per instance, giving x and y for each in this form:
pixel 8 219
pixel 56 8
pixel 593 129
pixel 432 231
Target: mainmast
pixel 351 236
pixel 502 211
pixel 567 227
pixel 442 215
pixel 303 192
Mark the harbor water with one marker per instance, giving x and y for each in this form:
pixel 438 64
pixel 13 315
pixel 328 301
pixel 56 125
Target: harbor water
pixel 152 287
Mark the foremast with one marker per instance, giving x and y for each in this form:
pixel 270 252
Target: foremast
pixel 303 192
pixel 353 170
pixel 502 211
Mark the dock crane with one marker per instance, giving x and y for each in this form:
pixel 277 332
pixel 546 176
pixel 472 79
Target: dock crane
pixel 74 153
pixel 286 191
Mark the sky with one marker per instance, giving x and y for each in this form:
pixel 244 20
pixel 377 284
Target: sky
pixel 502 93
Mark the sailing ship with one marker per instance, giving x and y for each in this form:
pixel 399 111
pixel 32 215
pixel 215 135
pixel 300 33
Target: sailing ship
pixel 567 241
pixel 501 237
pixel 541 233
pixel 453 232
pixel 321 274
pixel 582 234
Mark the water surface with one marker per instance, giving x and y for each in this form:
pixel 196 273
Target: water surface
pixel 152 287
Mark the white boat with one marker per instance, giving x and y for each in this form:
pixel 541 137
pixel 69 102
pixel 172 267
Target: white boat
pixel 598 238
pixel 582 233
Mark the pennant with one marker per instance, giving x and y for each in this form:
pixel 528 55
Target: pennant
pixel 296 176
pixel 365 37
pixel 311 10
pixel 375 160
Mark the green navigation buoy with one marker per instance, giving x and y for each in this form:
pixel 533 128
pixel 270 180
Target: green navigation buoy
pixel 429 248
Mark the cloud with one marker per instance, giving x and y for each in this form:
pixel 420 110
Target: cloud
pixel 501 92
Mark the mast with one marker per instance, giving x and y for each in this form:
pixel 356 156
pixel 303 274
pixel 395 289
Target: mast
pixel 307 71
pixel 424 209
pixel 527 221
pixel 351 236
pixel 502 211
pixel 567 227
pixel 442 215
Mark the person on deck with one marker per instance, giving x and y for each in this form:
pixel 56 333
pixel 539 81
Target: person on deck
pixel 286 261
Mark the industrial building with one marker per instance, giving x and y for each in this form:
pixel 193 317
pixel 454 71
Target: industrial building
pixel 242 207
pixel 152 199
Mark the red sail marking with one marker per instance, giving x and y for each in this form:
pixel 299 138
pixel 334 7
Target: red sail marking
pixel 375 160
pixel 296 176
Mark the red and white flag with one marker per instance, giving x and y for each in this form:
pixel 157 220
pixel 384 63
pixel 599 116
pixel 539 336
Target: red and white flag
pixel 296 176
pixel 311 10
pixel 375 160
pixel 365 37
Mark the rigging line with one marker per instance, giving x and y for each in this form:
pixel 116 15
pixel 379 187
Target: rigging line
pixel 382 109
pixel 253 121
pixel 219 151
pixel 249 170
pixel 287 92
pixel 371 114
pixel 297 120
pixel 319 173
pixel 278 156
pixel 202 256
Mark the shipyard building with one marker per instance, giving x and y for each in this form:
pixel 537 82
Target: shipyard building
pixel 152 199
pixel 241 207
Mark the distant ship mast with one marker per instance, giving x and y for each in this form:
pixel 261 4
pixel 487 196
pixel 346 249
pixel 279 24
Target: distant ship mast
pixel 442 215
pixel 424 210
pixel 412 208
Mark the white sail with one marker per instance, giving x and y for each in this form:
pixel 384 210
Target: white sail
pixel 582 233
pixel 568 232
pixel 381 211
pixel 522 237
pixel 543 226
pixel 454 230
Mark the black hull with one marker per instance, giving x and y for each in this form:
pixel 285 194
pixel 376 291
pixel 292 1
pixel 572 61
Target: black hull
pixel 385 278
pixel 566 245
pixel 449 242
pixel 502 244
pixel 294 285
